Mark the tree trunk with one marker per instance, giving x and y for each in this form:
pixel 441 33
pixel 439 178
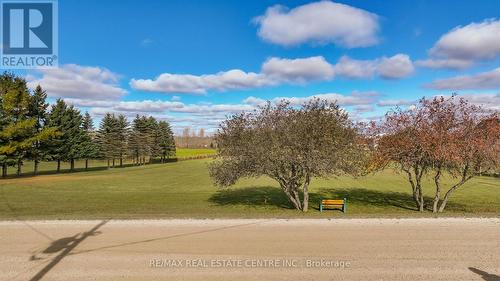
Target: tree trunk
pixel 437 196
pixel 290 196
pixel 108 164
pixel 19 165
pixel 58 166
pixel 418 179
pixel 113 162
pixel 450 191
pixel 35 168
pixel 72 165
pixel 422 203
pixel 121 161
pixel 296 197
pixel 4 170
pixel 416 189
pixel 305 203
pixel 463 180
pixel 86 164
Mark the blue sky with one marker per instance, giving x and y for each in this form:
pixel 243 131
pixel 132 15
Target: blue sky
pixel 368 55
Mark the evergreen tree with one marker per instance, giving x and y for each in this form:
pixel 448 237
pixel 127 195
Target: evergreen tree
pixel 141 138
pixel 68 146
pixel 154 138
pixel 134 140
pixel 55 146
pixel 108 137
pixel 75 136
pixel 165 140
pixel 18 132
pixel 90 149
pixel 38 110
pixel 122 135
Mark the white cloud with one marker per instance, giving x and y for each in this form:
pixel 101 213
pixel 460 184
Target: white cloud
pixel 444 63
pixel 483 80
pixel 89 102
pixel 75 81
pixel 355 99
pixel 299 70
pixel 364 108
pixel 357 69
pixel 160 108
pixel 489 101
pixel 186 83
pixel 395 102
pixel 319 22
pixel 214 108
pixel 464 45
pixel 147 106
pixel 395 67
pixel 274 71
pixel 209 115
pixel 254 101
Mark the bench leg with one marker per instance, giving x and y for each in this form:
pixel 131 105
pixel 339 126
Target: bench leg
pixel 320 207
pixel 344 208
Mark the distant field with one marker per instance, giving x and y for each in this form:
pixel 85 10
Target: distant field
pixel 50 167
pixel 190 152
pixel 184 190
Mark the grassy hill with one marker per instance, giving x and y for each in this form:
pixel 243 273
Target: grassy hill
pixel 184 190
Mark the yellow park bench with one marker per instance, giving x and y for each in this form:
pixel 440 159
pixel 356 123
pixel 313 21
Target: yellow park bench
pixel 333 204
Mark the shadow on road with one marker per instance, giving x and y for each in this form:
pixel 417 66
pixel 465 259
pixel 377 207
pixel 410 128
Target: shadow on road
pixel 64 246
pixel 167 237
pixel 485 275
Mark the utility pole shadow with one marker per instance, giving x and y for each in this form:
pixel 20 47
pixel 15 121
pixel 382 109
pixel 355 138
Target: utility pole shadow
pixel 65 245
pixel 485 275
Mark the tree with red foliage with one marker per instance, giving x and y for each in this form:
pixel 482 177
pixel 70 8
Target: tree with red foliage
pixel 439 136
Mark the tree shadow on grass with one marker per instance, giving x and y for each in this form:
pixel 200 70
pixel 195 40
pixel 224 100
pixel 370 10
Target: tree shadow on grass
pixel 29 173
pixel 363 196
pixel 273 196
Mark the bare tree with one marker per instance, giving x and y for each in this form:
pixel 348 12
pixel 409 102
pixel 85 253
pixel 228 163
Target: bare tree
pixel 201 133
pixel 289 145
pixel 186 136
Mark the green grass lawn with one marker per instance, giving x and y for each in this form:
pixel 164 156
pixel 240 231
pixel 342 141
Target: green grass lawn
pixel 184 190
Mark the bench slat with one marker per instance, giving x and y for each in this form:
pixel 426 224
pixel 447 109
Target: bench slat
pixel 335 202
pixel 332 204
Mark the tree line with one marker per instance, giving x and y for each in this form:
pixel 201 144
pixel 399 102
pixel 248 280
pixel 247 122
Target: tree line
pixel 190 138
pixel 30 130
